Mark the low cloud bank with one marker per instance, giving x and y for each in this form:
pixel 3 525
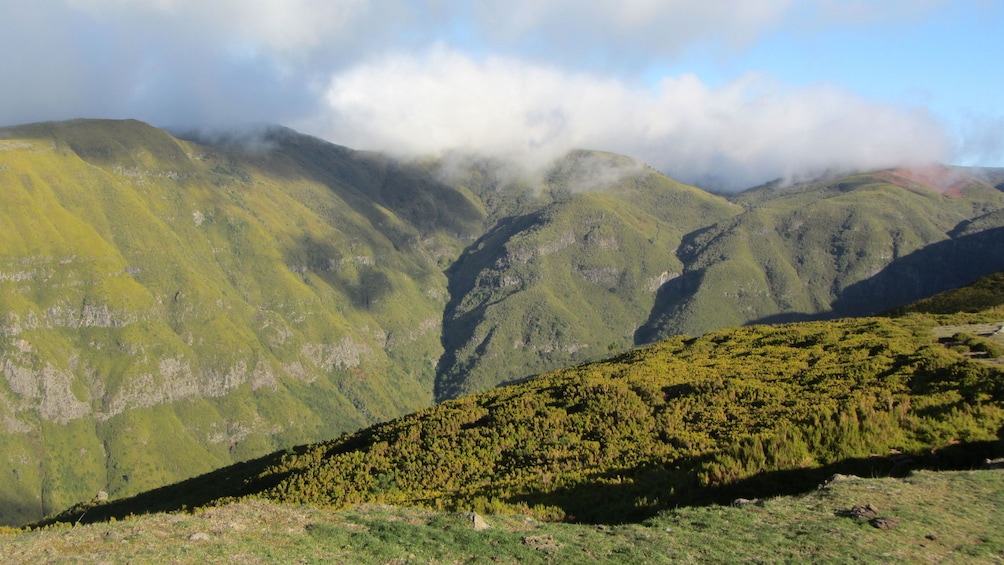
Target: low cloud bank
pixel 523 80
pixel 744 133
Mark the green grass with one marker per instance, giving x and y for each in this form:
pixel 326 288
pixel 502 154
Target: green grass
pixel 948 517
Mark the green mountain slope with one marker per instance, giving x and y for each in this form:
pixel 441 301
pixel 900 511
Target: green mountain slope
pixel 571 281
pixel 169 308
pixel 845 246
pixel 749 411
pixel 632 257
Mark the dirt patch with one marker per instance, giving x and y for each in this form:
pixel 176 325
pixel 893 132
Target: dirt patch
pixel 993 331
pixel 936 178
pixel 991 335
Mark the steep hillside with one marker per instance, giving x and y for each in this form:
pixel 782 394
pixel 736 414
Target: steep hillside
pixel 844 246
pixel 571 281
pixel 752 411
pixel 169 308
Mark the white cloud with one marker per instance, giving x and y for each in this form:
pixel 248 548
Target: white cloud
pixel 282 25
pixel 527 78
pixel 745 132
pixel 981 140
pixel 627 28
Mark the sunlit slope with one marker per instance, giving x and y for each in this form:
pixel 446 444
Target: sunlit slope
pixel 750 411
pixel 168 308
pixel 845 246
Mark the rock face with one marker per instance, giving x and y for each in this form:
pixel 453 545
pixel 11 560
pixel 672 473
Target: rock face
pixel 866 512
pixel 477 522
pixel 869 513
pixel 884 523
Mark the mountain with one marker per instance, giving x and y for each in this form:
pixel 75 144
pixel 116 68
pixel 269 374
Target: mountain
pixel 754 411
pixel 174 304
pixel 571 280
pixel 169 307
pixel 596 272
pixel 846 246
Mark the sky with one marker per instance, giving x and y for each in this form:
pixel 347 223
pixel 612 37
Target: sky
pixel 724 93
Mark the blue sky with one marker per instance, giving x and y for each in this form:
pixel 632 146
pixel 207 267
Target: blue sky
pixel 728 93
pixel 946 62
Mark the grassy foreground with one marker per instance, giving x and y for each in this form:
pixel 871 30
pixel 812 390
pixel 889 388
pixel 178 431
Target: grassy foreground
pixel 939 517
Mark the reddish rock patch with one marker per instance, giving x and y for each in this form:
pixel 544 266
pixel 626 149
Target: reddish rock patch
pixel 937 178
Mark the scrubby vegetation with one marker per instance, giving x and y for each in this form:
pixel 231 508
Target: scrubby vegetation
pixel 752 411
pixel 666 425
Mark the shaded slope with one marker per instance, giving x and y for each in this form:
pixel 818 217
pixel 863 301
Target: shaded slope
pixel 985 294
pixel 952 263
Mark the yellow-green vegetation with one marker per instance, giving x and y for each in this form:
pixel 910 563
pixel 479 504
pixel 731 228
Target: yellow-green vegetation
pixel 944 517
pixel 753 412
pixel 167 308
pixel 665 425
pixel 170 306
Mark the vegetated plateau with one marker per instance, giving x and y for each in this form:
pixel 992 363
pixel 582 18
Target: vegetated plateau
pixel 170 306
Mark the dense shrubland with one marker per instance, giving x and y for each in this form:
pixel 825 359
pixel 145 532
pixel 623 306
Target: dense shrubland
pixel 746 411
pixel 662 425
